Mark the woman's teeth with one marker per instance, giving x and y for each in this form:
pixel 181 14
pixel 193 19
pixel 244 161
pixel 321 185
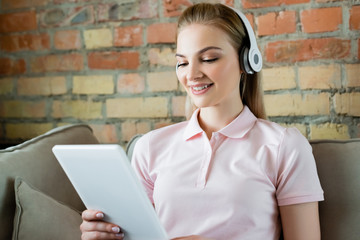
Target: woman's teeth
pixel 201 88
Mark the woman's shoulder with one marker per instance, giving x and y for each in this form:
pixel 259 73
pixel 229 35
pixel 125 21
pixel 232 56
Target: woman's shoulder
pixel 167 133
pixel 278 133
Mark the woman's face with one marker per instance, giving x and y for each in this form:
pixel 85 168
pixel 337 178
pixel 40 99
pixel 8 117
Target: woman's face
pixel 208 66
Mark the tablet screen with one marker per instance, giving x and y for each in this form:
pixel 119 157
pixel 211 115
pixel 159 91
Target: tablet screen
pixel 104 179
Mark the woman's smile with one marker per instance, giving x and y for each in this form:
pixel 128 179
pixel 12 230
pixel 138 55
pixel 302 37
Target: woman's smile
pixel 199 89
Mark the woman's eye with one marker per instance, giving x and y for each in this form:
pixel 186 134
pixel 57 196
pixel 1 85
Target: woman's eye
pixel 182 64
pixel 210 60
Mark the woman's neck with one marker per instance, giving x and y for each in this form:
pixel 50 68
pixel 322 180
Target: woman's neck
pixel 212 119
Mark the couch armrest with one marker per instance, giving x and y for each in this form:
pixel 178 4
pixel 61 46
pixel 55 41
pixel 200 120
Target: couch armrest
pixel 34 161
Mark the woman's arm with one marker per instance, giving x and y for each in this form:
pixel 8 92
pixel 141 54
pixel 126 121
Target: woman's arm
pixel 301 221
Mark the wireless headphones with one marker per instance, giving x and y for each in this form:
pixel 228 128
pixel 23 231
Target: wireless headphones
pixel 250 57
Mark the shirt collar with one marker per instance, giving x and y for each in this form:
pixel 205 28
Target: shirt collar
pixel 193 128
pixel 238 128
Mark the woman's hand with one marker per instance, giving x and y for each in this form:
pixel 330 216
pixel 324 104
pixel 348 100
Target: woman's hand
pixel 192 237
pixel 93 227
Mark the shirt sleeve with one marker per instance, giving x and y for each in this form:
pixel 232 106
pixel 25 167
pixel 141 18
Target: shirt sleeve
pixel 140 164
pixel 297 180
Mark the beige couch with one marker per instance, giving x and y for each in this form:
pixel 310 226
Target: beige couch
pixel 38 202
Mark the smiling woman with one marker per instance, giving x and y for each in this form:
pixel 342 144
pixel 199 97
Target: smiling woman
pixel 235 174
pixel 238 32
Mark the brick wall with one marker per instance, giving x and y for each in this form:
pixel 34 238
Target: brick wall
pixel 111 64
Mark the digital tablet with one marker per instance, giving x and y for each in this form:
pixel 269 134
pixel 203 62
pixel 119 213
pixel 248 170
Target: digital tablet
pixel 104 179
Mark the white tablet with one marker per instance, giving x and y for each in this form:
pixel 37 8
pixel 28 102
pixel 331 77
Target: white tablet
pixel 104 179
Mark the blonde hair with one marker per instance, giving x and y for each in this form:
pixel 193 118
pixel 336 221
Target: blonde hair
pixel 226 19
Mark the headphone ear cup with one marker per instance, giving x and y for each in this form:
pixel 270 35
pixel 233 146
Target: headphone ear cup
pixel 244 61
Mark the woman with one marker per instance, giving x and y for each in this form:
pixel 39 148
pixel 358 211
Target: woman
pixel 227 173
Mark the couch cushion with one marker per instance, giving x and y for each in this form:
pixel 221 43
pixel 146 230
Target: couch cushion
pixel 34 161
pixel 338 164
pixel 38 216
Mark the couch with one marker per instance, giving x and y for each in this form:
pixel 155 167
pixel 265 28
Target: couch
pixel 37 201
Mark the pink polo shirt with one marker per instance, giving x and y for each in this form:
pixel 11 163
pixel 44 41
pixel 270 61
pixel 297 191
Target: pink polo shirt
pixel 231 186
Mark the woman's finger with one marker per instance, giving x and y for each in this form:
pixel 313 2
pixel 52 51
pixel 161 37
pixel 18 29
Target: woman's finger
pixel 101 235
pixel 90 226
pixel 92 215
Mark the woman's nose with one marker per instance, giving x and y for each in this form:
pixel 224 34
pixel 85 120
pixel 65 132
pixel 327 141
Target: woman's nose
pixel 193 72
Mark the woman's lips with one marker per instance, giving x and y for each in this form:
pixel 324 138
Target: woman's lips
pixel 200 88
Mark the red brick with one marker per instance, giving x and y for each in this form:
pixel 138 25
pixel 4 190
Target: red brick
pixel 105 133
pixel 274 23
pixel 175 7
pixel 308 49
pixel 113 60
pixel 269 3
pixel 11 67
pixel 18 22
pixel 128 36
pixel 321 20
pixel 161 33
pixel 328 1
pixel 67 39
pixel 250 18
pixel 130 83
pixel 26 42
pixel 355 18
pixel 11 4
pixel 57 63
pixel 130 128
pixel 228 2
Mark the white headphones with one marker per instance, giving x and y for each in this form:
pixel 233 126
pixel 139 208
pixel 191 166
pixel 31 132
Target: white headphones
pixel 250 57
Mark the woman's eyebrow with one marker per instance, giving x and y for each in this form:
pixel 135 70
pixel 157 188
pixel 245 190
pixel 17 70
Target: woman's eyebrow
pixel 200 51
